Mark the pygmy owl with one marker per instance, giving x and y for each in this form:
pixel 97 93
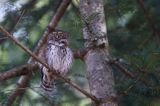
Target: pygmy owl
pixel 58 56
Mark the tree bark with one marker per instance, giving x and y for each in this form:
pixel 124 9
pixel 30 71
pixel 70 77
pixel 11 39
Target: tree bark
pixel 99 73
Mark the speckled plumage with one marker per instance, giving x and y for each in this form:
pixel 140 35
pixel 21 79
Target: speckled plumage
pixel 58 56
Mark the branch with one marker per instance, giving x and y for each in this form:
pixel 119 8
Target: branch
pixel 22 46
pixel 52 25
pixel 123 69
pixel 74 85
pixel 25 69
pixel 44 64
pixel 149 19
pixel 23 81
pixel 18 20
pixel 126 72
pixel 23 10
pixel 18 71
pixel 80 54
pixel 18 91
pixel 14 26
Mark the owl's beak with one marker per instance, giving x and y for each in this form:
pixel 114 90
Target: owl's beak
pixel 65 42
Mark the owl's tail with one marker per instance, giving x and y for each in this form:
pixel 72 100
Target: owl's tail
pixel 48 82
pixel 47 86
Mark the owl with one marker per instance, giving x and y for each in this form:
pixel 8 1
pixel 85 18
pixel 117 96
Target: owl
pixel 59 57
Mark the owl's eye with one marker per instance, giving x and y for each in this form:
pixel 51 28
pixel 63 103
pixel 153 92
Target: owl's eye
pixel 63 41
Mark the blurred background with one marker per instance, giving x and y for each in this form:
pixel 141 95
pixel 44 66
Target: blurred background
pixel 133 32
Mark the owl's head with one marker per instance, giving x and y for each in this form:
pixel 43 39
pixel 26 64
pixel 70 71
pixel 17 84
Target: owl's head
pixel 58 38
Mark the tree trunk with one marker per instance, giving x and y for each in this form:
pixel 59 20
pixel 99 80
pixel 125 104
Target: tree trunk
pixel 99 73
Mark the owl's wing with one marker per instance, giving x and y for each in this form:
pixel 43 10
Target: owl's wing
pixel 41 56
pixel 47 80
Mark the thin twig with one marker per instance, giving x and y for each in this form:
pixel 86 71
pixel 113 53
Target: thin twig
pixel 123 69
pixel 19 19
pixel 149 20
pixel 131 86
pixel 79 54
pixel 22 46
pixel 126 72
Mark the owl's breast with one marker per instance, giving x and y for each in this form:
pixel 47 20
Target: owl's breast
pixel 59 59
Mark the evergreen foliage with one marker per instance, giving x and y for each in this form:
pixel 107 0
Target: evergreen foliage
pixel 132 40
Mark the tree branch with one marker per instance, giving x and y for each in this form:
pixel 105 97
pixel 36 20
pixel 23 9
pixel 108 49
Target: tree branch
pixel 18 91
pixel 52 25
pixel 22 46
pixel 27 68
pixel 149 20
pixel 23 81
pixel 36 58
pixel 18 71
pixel 123 69
pixel 79 54
pixel 126 72
pixel 68 81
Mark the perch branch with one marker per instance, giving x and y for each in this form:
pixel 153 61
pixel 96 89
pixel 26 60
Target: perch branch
pixel 68 81
pixel 23 81
pixel 52 25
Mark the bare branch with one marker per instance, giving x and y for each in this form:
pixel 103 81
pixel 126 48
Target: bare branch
pixel 68 81
pixel 128 73
pixel 79 54
pixel 36 58
pixel 52 25
pixel 18 91
pixel 149 20
pixel 22 46
pixel 44 64
pixel 74 85
pixel 18 71
pixel 18 19
pixel 23 81
pixel 123 69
